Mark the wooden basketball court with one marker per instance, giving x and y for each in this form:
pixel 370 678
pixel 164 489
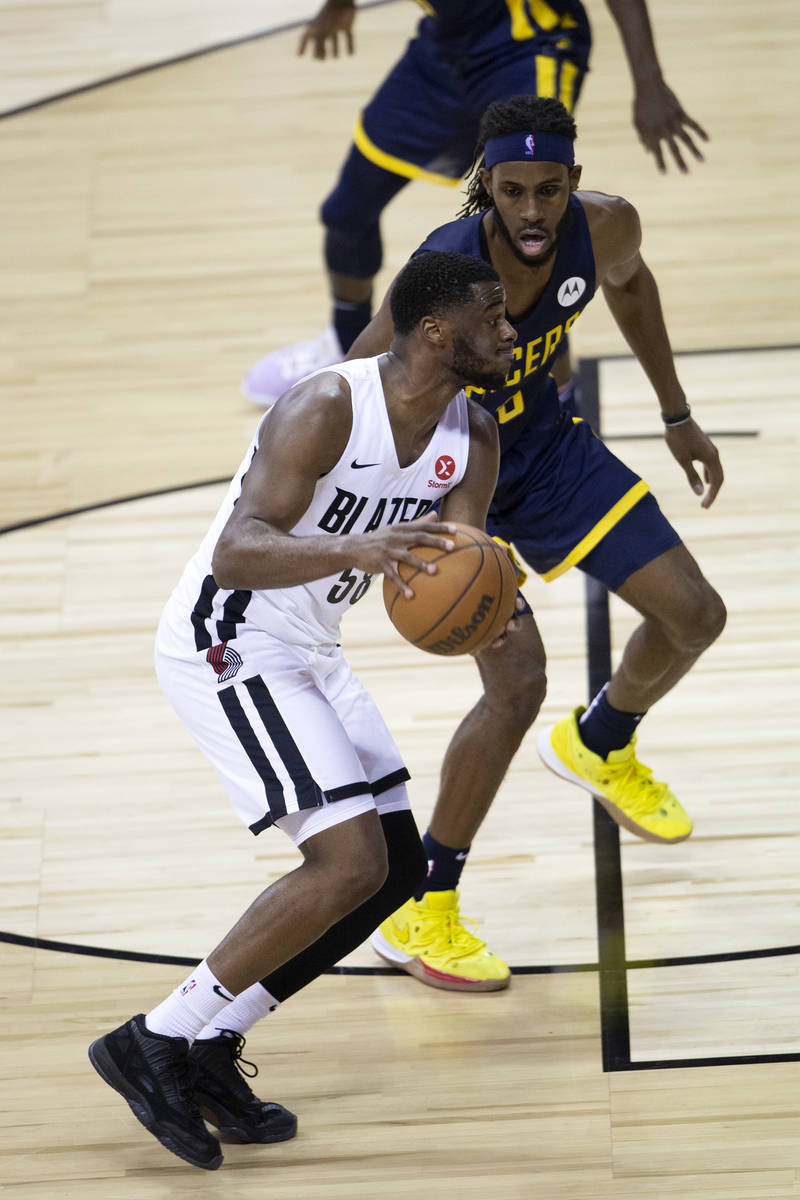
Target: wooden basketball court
pixel 159 234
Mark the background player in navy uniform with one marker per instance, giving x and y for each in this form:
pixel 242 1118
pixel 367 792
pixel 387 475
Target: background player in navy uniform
pixel 563 499
pixel 422 123
pixel 247 651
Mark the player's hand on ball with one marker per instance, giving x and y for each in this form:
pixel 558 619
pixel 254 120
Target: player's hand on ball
pixel 383 550
pixel 511 627
pixel 464 605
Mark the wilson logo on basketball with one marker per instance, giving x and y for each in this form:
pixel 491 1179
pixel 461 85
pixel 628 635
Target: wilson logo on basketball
pixel 459 634
pixel 444 467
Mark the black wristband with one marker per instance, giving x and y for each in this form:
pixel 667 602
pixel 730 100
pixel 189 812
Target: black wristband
pixel 679 419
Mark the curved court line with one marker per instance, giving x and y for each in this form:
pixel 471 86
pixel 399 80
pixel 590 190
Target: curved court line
pixel 177 960
pixel 85 508
pixel 160 64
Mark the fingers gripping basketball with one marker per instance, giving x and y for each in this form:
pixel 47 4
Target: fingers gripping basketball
pixel 465 605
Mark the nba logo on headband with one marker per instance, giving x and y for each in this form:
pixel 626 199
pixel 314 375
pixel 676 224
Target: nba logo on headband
pixel 530 145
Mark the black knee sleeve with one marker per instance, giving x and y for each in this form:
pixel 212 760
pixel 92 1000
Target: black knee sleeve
pixel 408 867
pixel 351 216
pixel 357 254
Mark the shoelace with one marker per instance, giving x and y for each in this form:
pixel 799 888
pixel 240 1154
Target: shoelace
pixel 184 1073
pixel 444 932
pixel 236 1046
pixel 640 792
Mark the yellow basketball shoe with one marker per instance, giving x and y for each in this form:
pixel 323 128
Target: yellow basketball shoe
pixel 624 786
pixel 426 938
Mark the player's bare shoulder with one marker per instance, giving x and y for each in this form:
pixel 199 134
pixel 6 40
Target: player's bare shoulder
pixel 316 415
pixel 614 228
pixel 482 426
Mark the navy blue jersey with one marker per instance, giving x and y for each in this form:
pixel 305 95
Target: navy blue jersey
pixel 526 407
pixel 483 25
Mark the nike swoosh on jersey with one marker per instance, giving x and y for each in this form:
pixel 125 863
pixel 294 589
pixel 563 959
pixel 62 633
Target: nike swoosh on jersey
pixel 357 466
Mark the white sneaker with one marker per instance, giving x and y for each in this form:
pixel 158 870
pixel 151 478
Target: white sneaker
pixel 275 374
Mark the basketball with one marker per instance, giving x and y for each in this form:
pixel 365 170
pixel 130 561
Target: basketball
pixel 465 605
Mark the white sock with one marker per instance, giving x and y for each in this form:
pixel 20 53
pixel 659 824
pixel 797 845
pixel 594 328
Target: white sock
pixel 191 1006
pixel 249 1006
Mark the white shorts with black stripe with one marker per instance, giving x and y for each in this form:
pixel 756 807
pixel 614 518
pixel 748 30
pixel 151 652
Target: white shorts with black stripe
pixel 293 734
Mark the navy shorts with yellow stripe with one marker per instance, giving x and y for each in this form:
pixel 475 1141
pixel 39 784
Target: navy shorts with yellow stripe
pixel 422 123
pixel 579 505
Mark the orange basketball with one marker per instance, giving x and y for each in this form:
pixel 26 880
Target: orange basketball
pixel 465 605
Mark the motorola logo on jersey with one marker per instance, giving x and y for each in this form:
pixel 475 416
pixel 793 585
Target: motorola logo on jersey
pixel 571 290
pixel 444 467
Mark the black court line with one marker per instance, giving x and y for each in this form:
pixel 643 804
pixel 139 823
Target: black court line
pixel 180 960
pixel 161 64
pixel 87 508
pixel 716 1060
pixel 612 973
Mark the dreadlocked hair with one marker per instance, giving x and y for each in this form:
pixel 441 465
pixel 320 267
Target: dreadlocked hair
pixel 519 114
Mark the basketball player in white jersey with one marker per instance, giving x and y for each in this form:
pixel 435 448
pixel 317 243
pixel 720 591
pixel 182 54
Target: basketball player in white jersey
pixel 333 491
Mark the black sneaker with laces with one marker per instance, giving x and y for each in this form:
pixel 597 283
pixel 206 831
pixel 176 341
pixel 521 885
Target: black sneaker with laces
pixel 156 1076
pixel 227 1101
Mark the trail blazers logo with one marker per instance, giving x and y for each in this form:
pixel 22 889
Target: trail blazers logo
pixel 225 660
pixel 571 291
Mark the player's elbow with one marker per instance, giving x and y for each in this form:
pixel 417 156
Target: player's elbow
pixel 226 564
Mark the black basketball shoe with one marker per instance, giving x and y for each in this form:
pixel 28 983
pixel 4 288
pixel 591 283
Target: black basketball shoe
pixel 227 1101
pixel 155 1075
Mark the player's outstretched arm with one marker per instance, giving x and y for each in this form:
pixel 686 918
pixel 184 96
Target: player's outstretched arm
pixel 322 31
pixel 632 295
pixel 658 114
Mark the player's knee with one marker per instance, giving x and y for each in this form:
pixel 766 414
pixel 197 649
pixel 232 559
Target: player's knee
pixel 713 615
pixel 360 876
pixel 702 617
pixel 353 252
pixel 520 695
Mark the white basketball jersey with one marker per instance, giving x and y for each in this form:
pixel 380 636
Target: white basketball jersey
pixel 366 489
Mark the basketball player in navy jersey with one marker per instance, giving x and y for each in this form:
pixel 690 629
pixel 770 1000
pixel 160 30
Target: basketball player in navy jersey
pixel 563 500
pixel 422 123
pixel 247 652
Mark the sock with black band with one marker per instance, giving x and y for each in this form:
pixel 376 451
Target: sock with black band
pixel 445 865
pixel 603 728
pixel 349 318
